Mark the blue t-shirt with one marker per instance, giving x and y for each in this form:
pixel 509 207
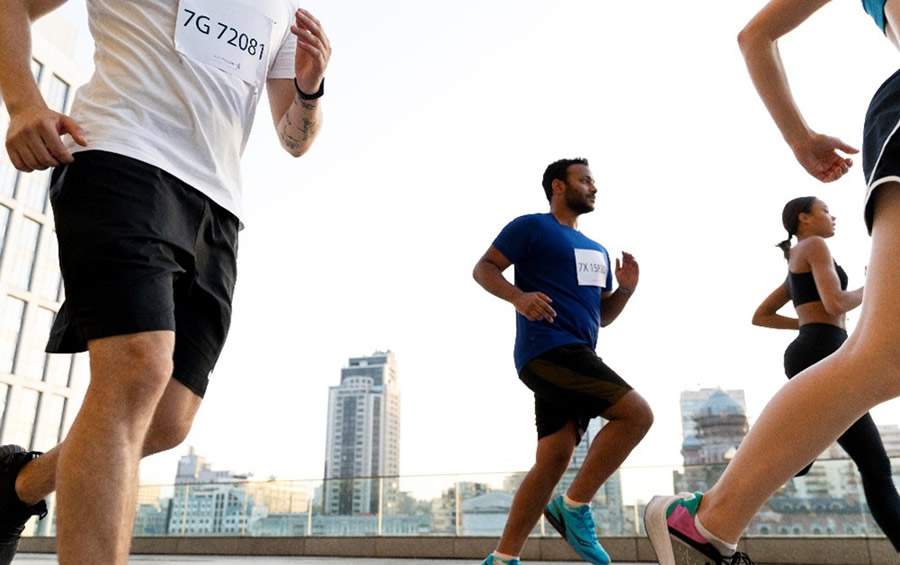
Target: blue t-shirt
pixel 565 265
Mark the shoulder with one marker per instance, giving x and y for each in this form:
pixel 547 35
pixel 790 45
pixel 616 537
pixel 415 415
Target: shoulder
pixel 814 246
pixel 528 221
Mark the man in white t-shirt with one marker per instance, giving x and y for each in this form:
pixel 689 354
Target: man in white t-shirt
pixel 146 196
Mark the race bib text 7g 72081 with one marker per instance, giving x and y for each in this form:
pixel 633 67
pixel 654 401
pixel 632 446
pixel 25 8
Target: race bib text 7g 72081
pixel 231 36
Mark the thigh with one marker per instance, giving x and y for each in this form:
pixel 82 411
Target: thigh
pixel 876 336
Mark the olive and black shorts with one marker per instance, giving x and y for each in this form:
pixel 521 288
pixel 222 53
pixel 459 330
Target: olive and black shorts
pixel 571 383
pixel 141 251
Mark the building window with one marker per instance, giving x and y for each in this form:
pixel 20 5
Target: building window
pixel 47 430
pixel 59 369
pixel 4 396
pixel 32 190
pixel 20 427
pixel 4 224
pixel 46 279
pixel 8 174
pixel 11 320
pixel 37 69
pixel 57 94
pixel 32 359
pixel 22 256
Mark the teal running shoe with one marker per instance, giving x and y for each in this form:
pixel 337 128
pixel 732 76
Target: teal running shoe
pixel 578 529
pixel 490 560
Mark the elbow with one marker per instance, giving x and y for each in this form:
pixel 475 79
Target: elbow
pixel 834 307
pixel 476 272
pixel 761 317
pixel 749 37
pixel 296 151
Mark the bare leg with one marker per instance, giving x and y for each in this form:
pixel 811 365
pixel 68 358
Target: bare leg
pixel 171 423
pixel 128 377
pixel 629 421
pixel 554 453
pixel 818 405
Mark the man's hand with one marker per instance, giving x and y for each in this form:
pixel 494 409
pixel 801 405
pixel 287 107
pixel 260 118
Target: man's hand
pixel 34 142
pixel 535 306
pixel 818 154
pixel 627 272
pixel 313 51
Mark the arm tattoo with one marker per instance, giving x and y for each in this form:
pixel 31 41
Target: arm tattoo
pixel 293 135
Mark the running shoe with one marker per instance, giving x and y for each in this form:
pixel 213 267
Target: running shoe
pixel 13 512
pixel 491 560
pixel 669 521
pixel 578 529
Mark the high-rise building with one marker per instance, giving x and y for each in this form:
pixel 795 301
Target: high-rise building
pixel 362 459
pixel 693 400
pixel 717 427
pixel 39 393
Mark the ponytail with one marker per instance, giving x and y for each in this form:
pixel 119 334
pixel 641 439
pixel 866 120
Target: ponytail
pixel 790 219
pixel 785 247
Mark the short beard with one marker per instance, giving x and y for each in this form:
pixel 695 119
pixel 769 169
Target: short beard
pixel 577 204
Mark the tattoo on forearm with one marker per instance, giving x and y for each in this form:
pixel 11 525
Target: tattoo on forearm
pixel 293 135
pixel 307 104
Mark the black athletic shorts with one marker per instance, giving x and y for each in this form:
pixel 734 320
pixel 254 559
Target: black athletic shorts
pixel 570 383
pixel 142 251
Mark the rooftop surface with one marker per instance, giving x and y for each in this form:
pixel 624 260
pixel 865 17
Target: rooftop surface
pixel 26 559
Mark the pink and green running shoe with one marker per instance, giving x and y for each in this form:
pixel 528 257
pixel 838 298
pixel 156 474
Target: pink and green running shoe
pixel 669 521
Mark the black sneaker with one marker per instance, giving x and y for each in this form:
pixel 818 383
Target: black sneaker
pixel 14 513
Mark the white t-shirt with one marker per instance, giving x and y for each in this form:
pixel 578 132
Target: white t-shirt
pixel 177 82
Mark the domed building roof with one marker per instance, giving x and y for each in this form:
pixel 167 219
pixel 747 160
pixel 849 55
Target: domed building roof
pixel 720 404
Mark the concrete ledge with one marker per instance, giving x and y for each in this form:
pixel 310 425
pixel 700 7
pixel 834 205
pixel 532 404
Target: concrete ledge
pixel 765 551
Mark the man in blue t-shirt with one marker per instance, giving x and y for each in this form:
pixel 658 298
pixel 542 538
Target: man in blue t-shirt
pixel 563 294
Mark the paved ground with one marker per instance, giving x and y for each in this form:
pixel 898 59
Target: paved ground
pixel 26 559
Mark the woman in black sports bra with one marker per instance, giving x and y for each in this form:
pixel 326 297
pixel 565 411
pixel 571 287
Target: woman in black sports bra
pixel 817 286
pixel 815 407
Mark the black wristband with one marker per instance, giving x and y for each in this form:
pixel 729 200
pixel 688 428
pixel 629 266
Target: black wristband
pixel 304 96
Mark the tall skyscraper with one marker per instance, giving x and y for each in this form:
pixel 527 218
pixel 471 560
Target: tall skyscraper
pixel 363 437
pixel 39 393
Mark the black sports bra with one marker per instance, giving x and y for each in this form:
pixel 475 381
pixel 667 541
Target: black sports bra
pixel 802 286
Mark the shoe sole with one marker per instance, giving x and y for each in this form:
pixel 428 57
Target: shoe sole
pixel 557 525
pixel 669 549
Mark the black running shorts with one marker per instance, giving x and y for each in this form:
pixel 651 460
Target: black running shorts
pixel 142 251
pixel 570 383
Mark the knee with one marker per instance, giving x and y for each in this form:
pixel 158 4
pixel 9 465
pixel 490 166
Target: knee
pixel 134 369
pixel 639 417
pixel 164 436
pixel 554 461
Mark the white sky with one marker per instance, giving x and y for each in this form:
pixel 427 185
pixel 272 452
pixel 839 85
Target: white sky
pixel 440 119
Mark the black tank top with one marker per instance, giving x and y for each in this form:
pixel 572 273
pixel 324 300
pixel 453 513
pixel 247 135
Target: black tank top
pixel 803 285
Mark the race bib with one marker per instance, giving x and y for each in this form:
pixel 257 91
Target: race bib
pixel 228 35
pixel 591 267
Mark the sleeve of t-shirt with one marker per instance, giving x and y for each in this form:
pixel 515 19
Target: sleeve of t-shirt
pixel 282 65
pixel 515 239
pixel 609 272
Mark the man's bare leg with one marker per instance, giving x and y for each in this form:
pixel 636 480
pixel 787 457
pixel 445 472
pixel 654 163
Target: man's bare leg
pixel 554 453
pixel 629 421
pixel 97 467
pixel 171 424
